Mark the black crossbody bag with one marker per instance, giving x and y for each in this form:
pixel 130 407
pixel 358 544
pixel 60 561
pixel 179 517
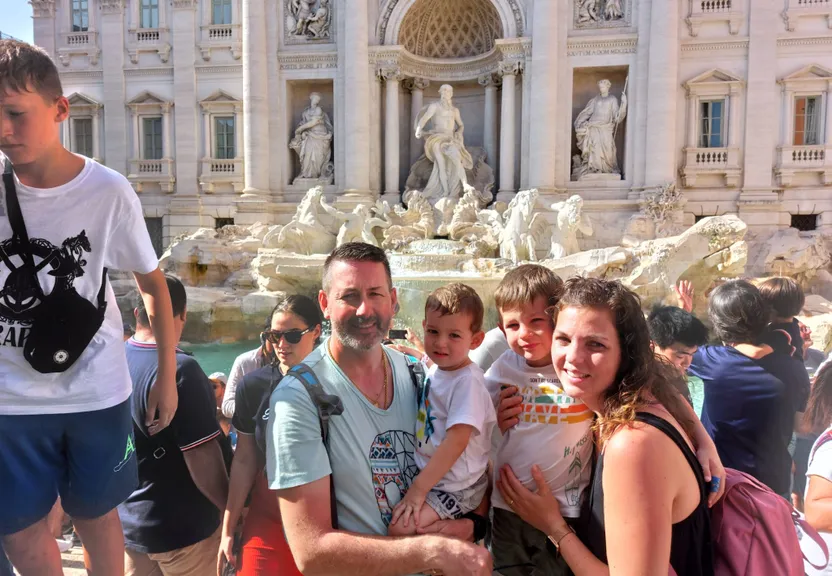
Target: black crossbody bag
pixel 64 323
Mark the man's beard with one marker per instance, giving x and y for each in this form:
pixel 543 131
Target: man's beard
pixel 348 332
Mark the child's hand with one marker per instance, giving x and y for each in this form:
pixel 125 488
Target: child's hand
pixel 409 506
pixel 712 469
pixel 163 397
pixel 684 293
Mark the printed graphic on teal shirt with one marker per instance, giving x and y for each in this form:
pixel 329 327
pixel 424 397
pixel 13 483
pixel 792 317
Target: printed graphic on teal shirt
pixel 393 469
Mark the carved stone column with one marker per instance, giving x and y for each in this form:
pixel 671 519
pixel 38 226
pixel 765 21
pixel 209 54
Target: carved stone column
pixel 167 150
pixel 543 96
pixel 734 118
pixel 391 78
pixel 490 128
pixel 255 99
pixel 96 133
pixel 238 131
pixel 693 141
pixel 183 28
pixel 112 62
pixel 417 99
pixel 509 70
pixel 354 54
pixel 206 129
pixel 660 150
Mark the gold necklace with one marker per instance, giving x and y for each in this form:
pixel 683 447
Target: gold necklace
pixel 375 401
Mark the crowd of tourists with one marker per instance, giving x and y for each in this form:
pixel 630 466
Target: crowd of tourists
pixel 563 441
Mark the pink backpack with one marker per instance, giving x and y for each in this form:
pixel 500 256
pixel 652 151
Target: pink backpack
pixel 755 531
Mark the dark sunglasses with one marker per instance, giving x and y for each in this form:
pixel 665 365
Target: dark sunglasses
pixel 292 336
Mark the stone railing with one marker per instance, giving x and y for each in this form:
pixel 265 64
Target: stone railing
pixel 720 162
pixel 148 40
pixel 801 8
pixel 79 39
pixel 78 43
pixel 712 6
pixel 219 36
pixel 147 36
pixel 218 171
pixel 143 172
pixel 713 11
pixel 796 160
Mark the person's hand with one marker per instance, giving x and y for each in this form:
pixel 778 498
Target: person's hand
pixel 226 553
pixel 163 398
pixel 684 293
pixel 458 558
pixel 409 506
pixel 509 408
pixel 540 508
pixel 712 468
pixel 414 340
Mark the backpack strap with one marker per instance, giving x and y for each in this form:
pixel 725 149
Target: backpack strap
pixel 328 405
pixel 418 376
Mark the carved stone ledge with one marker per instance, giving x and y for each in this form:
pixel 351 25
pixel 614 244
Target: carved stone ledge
pixel 112 6
pixel 43 8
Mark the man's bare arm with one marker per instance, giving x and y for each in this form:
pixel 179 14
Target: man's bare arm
pixel 319 549
pixel 207 468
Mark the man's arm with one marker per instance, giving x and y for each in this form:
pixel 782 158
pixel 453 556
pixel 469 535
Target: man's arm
pixel 318 549
pixel 207 468
pixel 163 397
pixel 420 123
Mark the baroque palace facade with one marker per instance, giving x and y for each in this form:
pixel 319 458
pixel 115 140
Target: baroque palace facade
pixel 198 101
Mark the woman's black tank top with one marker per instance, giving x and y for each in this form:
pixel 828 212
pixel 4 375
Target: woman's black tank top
pixel 691 553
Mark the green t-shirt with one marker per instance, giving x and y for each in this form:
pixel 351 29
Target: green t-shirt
pixel 371 450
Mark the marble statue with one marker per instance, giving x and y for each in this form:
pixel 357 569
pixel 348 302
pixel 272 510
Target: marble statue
pixel 445 147
pixel 594 11
pixel 304 19
pixel 312 229
pixel 313 144
pixel 472 223
pixel 659 215
pixel 570 220
pixel 516 242
pixel 404 226
pixel 595 128
pixel 356 226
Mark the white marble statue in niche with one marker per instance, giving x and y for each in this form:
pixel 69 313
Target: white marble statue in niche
pixel 569 221
pixel 598 11
pixel 445 147
pixel 313 144
pixel 595 129
pixel 309 18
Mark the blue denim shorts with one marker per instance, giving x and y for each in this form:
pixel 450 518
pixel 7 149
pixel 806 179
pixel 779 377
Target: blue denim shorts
pixel 89 458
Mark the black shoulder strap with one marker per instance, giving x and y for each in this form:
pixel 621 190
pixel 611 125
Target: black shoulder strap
pixel 673 434
pixel 418 376
pixel 328 405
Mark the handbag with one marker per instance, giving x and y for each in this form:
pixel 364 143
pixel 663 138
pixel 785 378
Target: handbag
pixel 64 322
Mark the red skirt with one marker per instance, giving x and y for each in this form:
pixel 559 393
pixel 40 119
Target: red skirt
pixel 265 551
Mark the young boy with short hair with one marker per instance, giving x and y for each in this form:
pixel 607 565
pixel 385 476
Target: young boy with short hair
pixel 676 335
pixel 785 297
pixel 455 419
pixel 553 431
pixel 70 432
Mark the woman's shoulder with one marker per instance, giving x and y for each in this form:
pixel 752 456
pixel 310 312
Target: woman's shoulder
pixel 642 442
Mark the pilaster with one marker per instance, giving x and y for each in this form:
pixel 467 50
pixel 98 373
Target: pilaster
pixel 112 62
pixel 354 54
pixel 186 123
pixel 544 97
pixel 43 13
pixel 255 99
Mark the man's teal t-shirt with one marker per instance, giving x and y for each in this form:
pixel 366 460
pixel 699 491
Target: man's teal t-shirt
pixel 371 450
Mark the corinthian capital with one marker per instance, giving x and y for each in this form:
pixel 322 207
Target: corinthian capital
pixel 112 6
pixel 43 8
pixel 390 74
pixel 412 84
pixel 511 67
pixel 487 80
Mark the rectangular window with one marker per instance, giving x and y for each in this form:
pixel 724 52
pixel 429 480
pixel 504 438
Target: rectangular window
pixel 80 16
pixel 220 222
pixel 712 115
pixel 221 11
pixel 154 228
pixel 153 139
pixel 82 136
pixel 807 116
pixel 150 13
pixel 225 148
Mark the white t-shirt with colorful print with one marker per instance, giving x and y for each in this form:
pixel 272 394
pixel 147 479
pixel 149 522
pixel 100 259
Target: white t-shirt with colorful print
pixel 554 433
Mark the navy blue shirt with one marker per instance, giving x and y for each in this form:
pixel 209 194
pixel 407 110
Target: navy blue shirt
pixel 251 404
pixel 167 511
pixel 749 409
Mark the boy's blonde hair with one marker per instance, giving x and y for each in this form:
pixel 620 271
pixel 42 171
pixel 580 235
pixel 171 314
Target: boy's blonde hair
pixel 457 298
pixel 27 68
pixel 525 283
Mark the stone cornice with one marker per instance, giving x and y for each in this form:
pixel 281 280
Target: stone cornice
pixel 602 46
pixel 804 41
pixel 719 45
pixel 184 4
pixel 43 8
pixel 318 60
pixel 132 72
pixel 81 75
pixel 231 69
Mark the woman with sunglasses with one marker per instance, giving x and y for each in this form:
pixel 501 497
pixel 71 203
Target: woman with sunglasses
pixel 293 332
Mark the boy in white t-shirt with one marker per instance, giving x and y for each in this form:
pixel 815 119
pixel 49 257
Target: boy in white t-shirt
pixel 554 430
pixel 70 432
pixel 455 419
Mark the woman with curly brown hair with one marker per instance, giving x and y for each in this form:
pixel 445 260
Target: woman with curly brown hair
pixel 649 498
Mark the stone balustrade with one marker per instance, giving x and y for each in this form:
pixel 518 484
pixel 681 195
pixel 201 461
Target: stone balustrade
pixel 797 9
pixel 804 160
pixel 148 40
pixel 702 11
pixel 160 172
pixel 722 162
pixel 79 44
pixel 221 36
pixel 217 172
pixel 74 39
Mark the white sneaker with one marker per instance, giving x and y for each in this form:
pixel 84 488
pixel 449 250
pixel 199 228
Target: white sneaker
pixel 63 545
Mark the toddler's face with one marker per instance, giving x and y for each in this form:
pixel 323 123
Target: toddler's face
pixel 529 331
pixel 449 338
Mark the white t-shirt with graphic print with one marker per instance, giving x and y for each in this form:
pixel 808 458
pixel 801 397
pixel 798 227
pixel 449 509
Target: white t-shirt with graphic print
pixel 456 397
pixel 554 433
pixel 75 231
